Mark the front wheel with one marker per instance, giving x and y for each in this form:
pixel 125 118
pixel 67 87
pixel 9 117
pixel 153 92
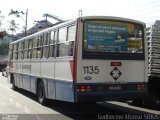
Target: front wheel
pixel 41 93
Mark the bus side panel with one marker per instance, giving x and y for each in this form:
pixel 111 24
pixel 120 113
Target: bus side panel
pixel 35 68
pixel 14 67
pixel 47 69
pixel 18 80
pixel 47 73
pixel 26 82
pixel 33 84
pixel 15 78
pixel 51 92
pixel 17 70
pixel 64 81
pixel 35 73
pixel 64 90
pixel 26 75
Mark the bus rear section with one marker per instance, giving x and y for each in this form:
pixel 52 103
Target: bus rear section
pixel 113 64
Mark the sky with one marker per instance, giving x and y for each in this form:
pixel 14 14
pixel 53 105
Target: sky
pixel 143 10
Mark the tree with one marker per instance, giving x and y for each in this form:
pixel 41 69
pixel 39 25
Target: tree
pixel 19 15
pixel 13 26
pixel 4 49
pixel 1 21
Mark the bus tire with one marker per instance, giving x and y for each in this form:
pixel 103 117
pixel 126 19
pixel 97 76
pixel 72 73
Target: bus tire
pixel 13 83
pixel 41 93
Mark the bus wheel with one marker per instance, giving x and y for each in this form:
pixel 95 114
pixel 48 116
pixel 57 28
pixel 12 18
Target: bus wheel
pixel 41 93
pixel 13 84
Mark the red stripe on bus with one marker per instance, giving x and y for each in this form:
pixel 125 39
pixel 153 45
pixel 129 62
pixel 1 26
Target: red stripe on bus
pixel 72 69
pixel 76 54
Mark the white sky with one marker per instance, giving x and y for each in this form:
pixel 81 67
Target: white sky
pixel 144 10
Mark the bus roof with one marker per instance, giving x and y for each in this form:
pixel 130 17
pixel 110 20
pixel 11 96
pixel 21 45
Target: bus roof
pixel 113 18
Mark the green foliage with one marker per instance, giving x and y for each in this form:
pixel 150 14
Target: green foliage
pixel 4 47
pixel 13 26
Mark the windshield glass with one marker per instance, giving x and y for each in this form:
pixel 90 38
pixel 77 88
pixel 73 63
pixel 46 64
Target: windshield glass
pixel 113 37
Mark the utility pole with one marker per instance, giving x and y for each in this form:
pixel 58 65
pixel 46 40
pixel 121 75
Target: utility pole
pixel 26 22
pixel 80 13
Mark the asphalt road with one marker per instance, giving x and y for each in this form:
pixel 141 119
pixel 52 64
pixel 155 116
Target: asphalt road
pixel 22 105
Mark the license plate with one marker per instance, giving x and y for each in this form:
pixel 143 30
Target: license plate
pixel 115 88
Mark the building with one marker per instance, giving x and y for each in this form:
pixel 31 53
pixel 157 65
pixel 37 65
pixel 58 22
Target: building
pixel 153 37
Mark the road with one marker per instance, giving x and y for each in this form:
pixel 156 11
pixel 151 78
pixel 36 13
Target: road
pixel 18 105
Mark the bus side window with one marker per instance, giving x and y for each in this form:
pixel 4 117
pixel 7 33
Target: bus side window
pixel 52 43
pixel 26 45
pixel 30 47
pixel 15 56
pixel 11 52
pixel 71 39
pixel 71 33
pixel 46 37
pixel 45 52
pixel 39 44
pixel 19 50
pixel 39 41
pixel 34 51
pixel 61 44
pixel 25 54
pixel 62 36
pixel 38 52
pixel 71 48
pixel 66 41
pixel 20 55
pixel 51 50
pixel 35 41
pixel 52 37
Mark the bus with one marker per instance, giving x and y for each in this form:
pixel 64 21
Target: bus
pixel 88 59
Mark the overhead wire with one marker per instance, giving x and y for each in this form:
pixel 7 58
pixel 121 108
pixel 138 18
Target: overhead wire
pixel 145 12
pixel 138 8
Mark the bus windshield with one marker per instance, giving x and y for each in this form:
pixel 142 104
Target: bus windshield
pixel 113 37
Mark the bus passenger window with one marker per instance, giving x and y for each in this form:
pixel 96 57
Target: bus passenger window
pixel 45 39
pixel 30 43
pixel 20 56
pixel 10 52
pixel 15 48
pixel 62 34
pixel 11 56
pixel 15 55
pixel 71 47
pixel 26 44
pixel 25 54
pixel 34 51
pixel 45 52
pixel 29 54
pixel 35 42
pixel 51 51
pixel 52 40
pixel 20 46
pixel 71 33
pixel 39 41
pixel 38 53
pixel 62 50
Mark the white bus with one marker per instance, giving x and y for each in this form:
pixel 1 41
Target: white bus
pixel 90 59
